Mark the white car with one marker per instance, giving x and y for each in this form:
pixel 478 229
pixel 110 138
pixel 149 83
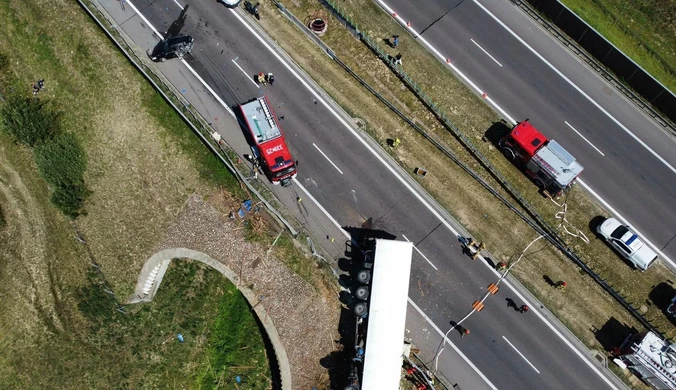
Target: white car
pixel 230 3
pixel 627 243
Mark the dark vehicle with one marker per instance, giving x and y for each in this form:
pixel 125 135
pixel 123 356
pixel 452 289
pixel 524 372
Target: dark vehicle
pixel 172 47
pixel 252 9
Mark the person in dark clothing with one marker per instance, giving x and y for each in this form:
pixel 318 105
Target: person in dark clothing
pixel 270 78
pixel 523 308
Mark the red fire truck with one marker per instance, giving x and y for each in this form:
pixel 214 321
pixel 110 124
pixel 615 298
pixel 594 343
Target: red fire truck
pixel 550 166
pixel 269 147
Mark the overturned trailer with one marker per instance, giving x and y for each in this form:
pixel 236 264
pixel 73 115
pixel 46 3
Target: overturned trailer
pixel 382 294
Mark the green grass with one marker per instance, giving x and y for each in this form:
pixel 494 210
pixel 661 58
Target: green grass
pixel 208 165
pixel 140 349
pixel 60 325
pixel 645 30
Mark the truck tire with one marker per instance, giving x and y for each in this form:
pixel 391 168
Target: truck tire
pixel 364 276
pixel 360 309
pixel 509 153
pixel 539 183
pixel 362 293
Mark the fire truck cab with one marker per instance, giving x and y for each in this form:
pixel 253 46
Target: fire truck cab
pixel 269 147
pixel 550 166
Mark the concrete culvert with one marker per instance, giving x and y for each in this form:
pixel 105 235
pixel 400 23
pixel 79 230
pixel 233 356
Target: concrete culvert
pixel 318 26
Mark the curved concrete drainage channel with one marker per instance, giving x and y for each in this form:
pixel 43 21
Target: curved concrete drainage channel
pixel 156 266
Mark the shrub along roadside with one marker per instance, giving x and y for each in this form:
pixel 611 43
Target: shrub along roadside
pixel 60 159
pixel 62 164
pixel 28 120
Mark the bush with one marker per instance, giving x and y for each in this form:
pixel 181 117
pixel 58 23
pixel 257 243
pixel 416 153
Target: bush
pixel 62 164
pixel 2 219
pixel 29 120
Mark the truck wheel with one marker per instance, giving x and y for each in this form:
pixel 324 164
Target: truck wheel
pixel 509 153
pixel 360 309
pixel 364 276
pixel 362 293
pixel 539 183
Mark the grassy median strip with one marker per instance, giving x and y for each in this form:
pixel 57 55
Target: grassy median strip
pixel 584 306
pixel 644 30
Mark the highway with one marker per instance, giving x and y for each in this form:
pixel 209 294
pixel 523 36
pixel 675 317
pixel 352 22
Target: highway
pixel 634 173
pixel 354 183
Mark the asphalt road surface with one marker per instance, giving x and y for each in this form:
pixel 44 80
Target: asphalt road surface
pixel 640 186
pixel 510 350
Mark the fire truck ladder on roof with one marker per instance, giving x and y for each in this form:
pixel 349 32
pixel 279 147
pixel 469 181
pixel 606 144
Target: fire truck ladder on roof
pixel 266 112
pixel 667 377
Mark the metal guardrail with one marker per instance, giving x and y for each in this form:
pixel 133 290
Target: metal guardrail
pixel 197 124
pixel 538 224
pixel 612 59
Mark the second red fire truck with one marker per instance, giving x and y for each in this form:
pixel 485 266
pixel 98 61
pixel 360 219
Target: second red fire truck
pixel 269 147
pixel 550 166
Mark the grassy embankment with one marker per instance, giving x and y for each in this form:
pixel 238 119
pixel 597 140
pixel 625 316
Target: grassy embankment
pixel 59 320
pixel 645 30
pixel 584 306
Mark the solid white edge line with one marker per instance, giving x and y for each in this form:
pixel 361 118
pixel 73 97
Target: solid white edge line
pixel 487 53
pixel 592 101
pixel 327 158
pixel 520 354
pixel 582 357
pixel 144 19
pixel 348 127
pixel 421 254
pixel 624 221
pixel 583 137
pixel 183 61
pixel 408 186
pixel 438 54
pixel 245 74
pixel 208 88
pixel 510 119
pixel 379 158
pixel 179 4
pixel 456 349
pixel 329 216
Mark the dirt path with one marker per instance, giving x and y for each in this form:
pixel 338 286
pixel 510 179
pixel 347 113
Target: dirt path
pixel 27 230
pixel 300 318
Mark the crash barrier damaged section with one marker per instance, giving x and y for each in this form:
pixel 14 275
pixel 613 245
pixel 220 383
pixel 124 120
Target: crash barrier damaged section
pixel 190 116
pixel 539 225
pixel 598 50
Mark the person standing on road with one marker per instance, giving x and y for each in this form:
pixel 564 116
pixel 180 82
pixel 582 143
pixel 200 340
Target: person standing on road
pixel 523 308
pixel 271 78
